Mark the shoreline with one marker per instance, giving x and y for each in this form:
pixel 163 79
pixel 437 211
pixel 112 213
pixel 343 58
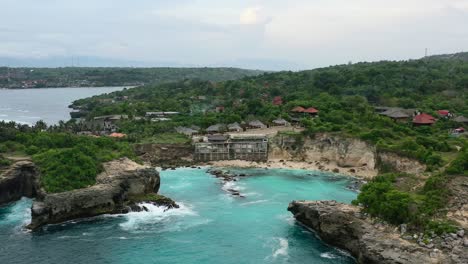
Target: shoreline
pixel 355 172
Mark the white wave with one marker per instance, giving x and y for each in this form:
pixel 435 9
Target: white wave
pixel 20 213
pixel 154 215
pixel 233 186
pixel 328 255
pixel 255 202
pixel 288 218
pixel 283 248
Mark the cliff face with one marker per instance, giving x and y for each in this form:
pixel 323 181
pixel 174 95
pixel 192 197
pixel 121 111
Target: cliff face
pixel 120 179
pixel 158 154
pixel 343 226
pixel 350 153
pixel 21 179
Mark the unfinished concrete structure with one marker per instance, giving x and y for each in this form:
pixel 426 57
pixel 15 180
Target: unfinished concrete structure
pixel 233 147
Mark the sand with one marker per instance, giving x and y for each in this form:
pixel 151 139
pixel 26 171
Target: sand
pixel 360 172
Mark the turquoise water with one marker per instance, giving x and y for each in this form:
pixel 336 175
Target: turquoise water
pixel 210 227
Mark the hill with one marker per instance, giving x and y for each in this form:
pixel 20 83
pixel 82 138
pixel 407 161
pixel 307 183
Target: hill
pixel 463 56
pixel 96 77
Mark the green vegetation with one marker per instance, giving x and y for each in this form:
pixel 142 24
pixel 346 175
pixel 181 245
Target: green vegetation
pixel 85 77
pixel 167 138
pixel 345 95
pixel 66 161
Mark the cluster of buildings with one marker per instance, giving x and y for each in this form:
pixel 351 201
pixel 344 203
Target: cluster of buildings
pixel 417 118
pixel 232 147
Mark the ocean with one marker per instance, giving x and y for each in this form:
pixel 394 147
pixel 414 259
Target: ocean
pixel 211 225
pixel 27 106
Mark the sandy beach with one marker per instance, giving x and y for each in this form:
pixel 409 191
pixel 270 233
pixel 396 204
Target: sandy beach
pixel 359 172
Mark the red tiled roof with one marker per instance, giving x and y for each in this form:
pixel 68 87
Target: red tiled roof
pixel 311 110
pixel 443 112
pixel 117 135
pixel 424 119
pixel 278 100
pixel 298 109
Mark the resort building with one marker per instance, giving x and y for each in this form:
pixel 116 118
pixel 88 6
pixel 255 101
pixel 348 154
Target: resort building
pixel 233 147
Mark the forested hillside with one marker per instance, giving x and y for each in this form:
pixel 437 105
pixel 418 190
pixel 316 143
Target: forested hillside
pixel 92 77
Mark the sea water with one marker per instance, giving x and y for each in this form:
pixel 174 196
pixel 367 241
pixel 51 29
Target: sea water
pixel 27 106
pixel 211 225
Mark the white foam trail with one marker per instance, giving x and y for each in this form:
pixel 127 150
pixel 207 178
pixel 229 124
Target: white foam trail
pixel 328 255
pixel 283 248
pixel 254 202
pixel 155 214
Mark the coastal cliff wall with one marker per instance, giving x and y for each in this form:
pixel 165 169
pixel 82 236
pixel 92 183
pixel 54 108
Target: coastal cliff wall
pixel 158 154
pixel 121 178
pixel 21 179
pixel 345 227
pixel 354 155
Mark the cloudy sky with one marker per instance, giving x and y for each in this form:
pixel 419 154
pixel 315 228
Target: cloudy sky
pixel 269 34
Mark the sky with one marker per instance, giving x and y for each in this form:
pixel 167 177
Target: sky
pixel 265 34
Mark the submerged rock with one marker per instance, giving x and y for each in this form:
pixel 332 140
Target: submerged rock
pixel 121 178
pixel 339 225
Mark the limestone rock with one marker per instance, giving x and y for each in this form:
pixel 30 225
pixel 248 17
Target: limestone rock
pixel 338 225
pixel 120 179
pixel 21 179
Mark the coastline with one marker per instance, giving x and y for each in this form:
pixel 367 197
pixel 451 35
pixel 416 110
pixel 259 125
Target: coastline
pixel 357 172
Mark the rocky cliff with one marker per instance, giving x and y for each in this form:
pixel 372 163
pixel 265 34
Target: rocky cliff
pixel 345 227
pixel 21 179
pixel 121 178
pixel 165 154
pixel 354 155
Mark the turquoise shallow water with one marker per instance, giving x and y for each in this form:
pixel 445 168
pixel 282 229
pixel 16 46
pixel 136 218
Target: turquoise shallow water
pixel 210 227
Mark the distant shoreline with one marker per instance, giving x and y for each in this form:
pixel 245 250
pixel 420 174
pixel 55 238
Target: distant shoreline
pixel 68 87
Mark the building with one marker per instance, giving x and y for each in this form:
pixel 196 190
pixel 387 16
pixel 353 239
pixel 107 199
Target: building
pixel 117 135
pixel 311 111
pixel 298 109
pixel 399 114
pixel 277 100
pixel 107 123
pixel 161 114
pixel 186 131
pixel 461 119
pixel 444 113
pixel 233 147
pixel 424 120
pixel 280 122
pixel 256 124
pixel 214 129
pixel 234 127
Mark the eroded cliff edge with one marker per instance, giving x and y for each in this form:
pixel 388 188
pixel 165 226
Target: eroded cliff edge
pixel 345 227
pixel 20 179
pixel 353 156
pixel 120 180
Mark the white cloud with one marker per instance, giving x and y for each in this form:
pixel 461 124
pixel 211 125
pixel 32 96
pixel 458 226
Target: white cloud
pixel 315 33
pixel 250 16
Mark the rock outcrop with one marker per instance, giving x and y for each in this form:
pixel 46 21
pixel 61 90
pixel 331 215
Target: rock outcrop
pixel 355 155
pixel 345 227
pixel 165 154
pixel 121 178
pixel 21 179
